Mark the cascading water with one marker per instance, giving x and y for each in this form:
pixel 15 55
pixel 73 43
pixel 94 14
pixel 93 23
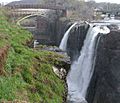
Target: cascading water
pixel 63 44
pixel 81 71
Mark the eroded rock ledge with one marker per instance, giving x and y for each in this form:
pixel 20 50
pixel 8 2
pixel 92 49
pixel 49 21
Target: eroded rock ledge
pixel 64 60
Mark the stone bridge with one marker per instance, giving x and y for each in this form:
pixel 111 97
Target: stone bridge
pixel 21 12
pixel 25 9
pixel 36 6
pixel 43 21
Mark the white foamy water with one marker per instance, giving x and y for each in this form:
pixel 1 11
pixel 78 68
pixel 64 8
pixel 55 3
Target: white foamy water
pixel 63 44
pixel 81 71
pixel 107 22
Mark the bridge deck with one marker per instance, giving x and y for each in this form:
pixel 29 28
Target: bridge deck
pixel 36 6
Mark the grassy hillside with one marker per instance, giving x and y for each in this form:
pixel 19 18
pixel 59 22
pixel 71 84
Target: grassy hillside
pixel 27 74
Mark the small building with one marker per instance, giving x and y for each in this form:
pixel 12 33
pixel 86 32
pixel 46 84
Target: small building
pixel 97 13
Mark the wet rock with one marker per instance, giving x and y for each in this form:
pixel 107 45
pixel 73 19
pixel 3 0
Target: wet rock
pixel 76 40
pixel 113 27
pixel 105 84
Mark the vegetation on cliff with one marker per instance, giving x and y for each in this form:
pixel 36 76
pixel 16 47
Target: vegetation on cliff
pixel 26 74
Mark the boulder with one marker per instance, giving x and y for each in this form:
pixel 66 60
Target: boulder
pixel 60 72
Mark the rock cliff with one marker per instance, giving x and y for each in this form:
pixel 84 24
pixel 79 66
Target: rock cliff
pixel 105 84
pixel 76 40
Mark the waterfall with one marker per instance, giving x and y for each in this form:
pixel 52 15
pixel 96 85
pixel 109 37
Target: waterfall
pixel 81 71
pixel 63 44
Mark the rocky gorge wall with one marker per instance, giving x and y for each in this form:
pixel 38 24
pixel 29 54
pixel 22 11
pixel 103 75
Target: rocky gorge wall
pixel 55 32
pixel 76 40
pixel 105 84
pixel 59 28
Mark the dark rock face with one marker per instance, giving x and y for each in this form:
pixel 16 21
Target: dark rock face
pixel 49 33
pixel 76 40
pixel 61 27
pixel 105 84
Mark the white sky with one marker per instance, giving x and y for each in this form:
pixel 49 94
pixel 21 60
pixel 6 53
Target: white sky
pixel 112 1
pixel 7 1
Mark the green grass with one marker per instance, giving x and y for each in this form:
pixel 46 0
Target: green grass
pixel 29 74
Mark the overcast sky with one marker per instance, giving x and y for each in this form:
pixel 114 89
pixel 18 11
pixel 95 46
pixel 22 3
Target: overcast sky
pixel 113 1
pixel 7 1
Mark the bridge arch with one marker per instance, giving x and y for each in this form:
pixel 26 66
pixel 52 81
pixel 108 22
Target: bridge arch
pixel 31 15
